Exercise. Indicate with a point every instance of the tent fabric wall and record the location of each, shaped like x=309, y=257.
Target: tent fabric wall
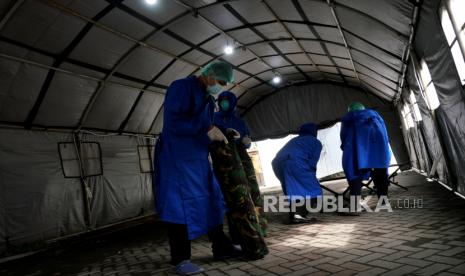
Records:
x=416, y=132
x=427, y=127
x=424, y=163
x=39, y=203
x=409, y=143
x=287, y=109
x=430, y=44
x=122, y=191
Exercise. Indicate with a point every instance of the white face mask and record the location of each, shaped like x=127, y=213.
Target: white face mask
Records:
x=214, y=89
x=224, y=105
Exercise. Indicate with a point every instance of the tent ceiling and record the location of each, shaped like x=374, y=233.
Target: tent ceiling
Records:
x=106, y=64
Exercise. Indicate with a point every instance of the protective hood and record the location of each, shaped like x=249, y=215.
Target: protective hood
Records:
x=232, y=102
x=308, y=129
x=363, y=115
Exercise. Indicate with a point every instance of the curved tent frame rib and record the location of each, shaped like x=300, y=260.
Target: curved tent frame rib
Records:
x=213, y=25
x=158, y=28
x=312, y=62
x=303, y=16
x=58, y=61
x=368, y=77
x=261, y=35
x=325, y=65
x=78, y=75
x=10, y=13
x=77, y=63
x=329, y=42
x=336, y=19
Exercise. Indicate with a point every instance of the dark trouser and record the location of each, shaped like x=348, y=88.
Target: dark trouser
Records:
x=180, y=245
x=233, y=232
x=302, y=210
x=380, y=179
x=355, y=187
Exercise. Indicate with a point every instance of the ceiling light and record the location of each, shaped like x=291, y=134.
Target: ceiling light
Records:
x=151, y=2
x=276, y=79
x=228, y=49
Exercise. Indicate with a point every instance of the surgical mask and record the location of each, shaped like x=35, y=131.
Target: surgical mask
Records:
x=214, y=89
x=224, y=105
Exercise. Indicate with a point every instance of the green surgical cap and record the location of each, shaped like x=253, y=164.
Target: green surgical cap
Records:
x=354, y=106
x=220, y=71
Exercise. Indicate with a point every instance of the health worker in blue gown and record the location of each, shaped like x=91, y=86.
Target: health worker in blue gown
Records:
x=295, y=167
x=365, y=146
x=188, y=197
x=226, y=118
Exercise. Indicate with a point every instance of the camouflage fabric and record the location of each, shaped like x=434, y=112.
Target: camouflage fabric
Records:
x=253, y=186
x=234, y=185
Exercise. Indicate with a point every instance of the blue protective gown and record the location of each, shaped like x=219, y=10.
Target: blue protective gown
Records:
x=364, y=142
x=185, y=188
x=229, y=119
x=295, y=164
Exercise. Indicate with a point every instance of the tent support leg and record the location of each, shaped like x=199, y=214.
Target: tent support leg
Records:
x=86, y=193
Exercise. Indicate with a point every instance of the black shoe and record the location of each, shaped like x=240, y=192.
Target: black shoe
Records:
x=311, y=218
x=300, y=219
x=232, y=252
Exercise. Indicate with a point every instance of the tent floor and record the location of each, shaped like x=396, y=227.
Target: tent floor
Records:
x=420, y=241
